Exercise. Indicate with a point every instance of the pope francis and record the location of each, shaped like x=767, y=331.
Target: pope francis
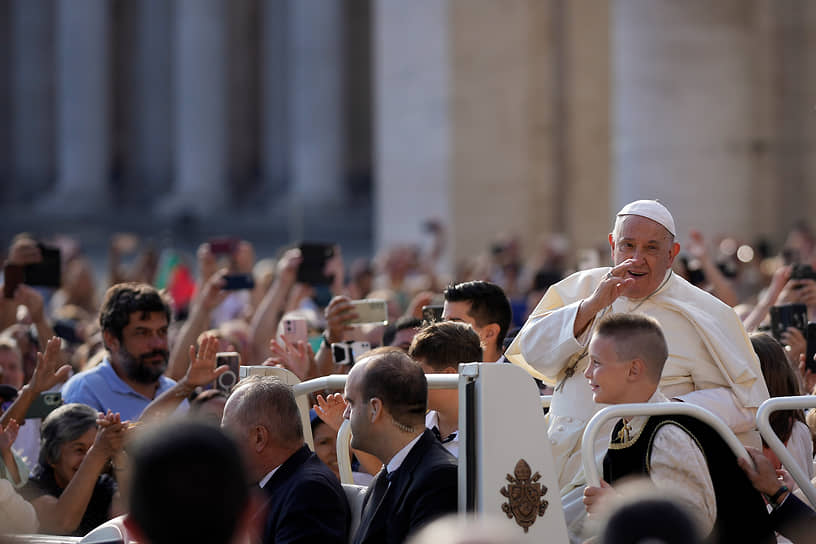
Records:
x=711, y=362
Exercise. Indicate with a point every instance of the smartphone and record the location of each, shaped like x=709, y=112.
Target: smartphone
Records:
x=370, y=310
x=13, y=275
x=788, y=315
x=226, y=381
x=47, y=272
x=223, y=245
x=296, y=329
x=313, y=264
x=238, y=282
x=811, y=346
x=803, y=272
x=432, y=313
x=346, y=353
x=44, y=404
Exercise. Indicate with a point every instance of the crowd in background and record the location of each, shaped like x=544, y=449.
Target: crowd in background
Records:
x=751, y=278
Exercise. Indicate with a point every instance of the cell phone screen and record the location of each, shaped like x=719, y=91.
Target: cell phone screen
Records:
x=47, y=272
x=13, y=275
x=237, y=282
x=811, y=347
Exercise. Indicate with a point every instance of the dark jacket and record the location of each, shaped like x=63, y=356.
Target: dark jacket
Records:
x=305, y=503
x=421, y=490
x=795, y=521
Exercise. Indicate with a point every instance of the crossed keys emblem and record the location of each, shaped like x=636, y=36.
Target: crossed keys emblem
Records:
x=525, y=496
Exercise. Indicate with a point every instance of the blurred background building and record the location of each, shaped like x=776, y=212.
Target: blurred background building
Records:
x=359, y=120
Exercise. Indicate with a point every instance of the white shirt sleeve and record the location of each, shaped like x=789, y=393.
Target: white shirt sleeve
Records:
x=547, y=342
x=679, y=467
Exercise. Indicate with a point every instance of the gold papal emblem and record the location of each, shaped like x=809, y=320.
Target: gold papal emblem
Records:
x=525, y=495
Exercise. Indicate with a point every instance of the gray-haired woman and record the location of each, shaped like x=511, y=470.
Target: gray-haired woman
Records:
x=68, y=488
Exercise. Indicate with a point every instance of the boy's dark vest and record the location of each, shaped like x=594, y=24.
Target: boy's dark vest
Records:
x=741, y=512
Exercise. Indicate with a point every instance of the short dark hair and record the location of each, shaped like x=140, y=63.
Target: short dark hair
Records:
x=404, y=322
x=446, y=344
x=488, y=304
x=637, y=336
x=270, y=402
x=123, y=299
x=394, y=378
x=184, y=469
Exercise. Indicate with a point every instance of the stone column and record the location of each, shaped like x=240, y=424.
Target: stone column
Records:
x=83, y=107
x=274, y=126
x=684, y=125
x=152, y=120
x=411, y=118
x=503, y=134
x=199, y=108
x=315, y=99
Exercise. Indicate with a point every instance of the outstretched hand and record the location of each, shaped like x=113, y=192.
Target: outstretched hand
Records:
x=297, y=357
x=8, y=435
x=330, y=409
x=202, y=369
x=48, y=371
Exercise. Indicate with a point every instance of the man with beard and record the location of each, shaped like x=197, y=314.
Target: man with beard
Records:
x=134, y=320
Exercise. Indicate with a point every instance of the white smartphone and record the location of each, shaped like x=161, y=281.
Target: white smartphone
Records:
x=370, y=310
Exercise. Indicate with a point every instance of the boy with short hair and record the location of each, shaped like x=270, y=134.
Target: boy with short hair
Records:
x=677, y=453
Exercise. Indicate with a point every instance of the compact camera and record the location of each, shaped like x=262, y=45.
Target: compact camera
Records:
x=346, y=353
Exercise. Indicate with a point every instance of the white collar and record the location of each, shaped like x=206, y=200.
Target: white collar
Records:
x=637, y=423
x=400, y=456
x=268, y=477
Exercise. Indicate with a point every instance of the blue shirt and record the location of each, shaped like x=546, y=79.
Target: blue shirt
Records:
x=102, y=389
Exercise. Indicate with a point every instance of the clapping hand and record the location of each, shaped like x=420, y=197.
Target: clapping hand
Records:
x=330, y=409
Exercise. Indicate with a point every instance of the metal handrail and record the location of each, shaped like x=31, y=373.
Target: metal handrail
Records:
x=764, y=425
x=650, y=409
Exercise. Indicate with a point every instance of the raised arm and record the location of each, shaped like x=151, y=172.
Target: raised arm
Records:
x=64, y=514
x=200, y=372
x=265, y=320
x=212, y=294
x=47, y=374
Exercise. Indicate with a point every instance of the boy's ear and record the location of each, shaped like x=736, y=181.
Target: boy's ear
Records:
x=636, y=368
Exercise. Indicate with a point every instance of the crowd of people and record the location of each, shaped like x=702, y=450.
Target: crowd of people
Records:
x=107, y=387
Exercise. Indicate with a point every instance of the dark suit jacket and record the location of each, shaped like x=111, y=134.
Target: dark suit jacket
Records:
x=795, y=521
x=422, y=489
x=305, y=503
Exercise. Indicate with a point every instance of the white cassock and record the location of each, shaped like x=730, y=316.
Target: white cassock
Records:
x=711, y=362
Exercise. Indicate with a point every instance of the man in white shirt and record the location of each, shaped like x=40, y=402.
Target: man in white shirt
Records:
x=439, y=348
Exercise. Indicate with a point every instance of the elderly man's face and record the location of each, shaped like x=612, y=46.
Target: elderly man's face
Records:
x=651, y=249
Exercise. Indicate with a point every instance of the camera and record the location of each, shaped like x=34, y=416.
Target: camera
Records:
x=346, y=353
